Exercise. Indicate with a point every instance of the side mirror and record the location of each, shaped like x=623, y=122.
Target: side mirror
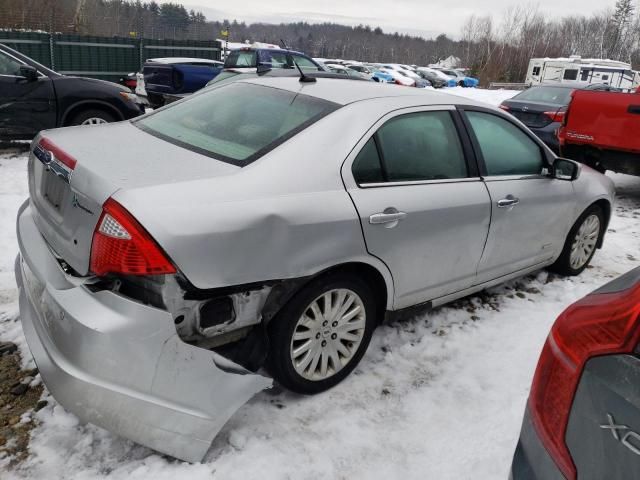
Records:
x=29, y=72
x=565, y=169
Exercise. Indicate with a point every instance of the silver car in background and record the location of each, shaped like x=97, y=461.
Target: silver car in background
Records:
x=268, y=225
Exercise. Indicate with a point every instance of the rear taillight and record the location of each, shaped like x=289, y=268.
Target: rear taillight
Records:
x=504, y=107
x=122, y=246
x=599, y=324
x=556, y=116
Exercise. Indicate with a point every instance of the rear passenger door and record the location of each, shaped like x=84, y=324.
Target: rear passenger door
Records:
x=423, y=208
x=530, y=211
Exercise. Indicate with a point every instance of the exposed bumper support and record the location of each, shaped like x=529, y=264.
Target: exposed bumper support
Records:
x=119, y=364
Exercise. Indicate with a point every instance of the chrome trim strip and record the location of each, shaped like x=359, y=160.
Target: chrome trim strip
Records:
x=419, y=182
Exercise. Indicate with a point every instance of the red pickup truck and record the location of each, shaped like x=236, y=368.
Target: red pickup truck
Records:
x=602, y=130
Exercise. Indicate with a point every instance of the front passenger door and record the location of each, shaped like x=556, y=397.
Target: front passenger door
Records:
x=26, y=107
x=530, y=211
x=423, y=209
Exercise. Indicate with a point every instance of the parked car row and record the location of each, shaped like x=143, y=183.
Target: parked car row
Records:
x=406, y=75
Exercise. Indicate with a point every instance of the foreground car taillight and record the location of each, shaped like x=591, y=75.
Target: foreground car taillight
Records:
x=599, y=324
x=121, y=245
x=504, y=107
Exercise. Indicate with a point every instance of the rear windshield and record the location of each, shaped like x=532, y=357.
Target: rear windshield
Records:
x=553, y=95
x=238, y=122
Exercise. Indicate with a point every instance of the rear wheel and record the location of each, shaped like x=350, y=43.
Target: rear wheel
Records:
x=322, y=333
x=461, y=83
x=581, y=243
x=92, y=117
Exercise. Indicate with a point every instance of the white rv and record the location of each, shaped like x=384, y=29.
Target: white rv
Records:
x=576, y=69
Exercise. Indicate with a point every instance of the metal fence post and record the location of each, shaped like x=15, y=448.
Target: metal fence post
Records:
x=51, y=52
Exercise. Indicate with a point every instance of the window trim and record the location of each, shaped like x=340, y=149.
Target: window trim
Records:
x=20, y=62
x=544, y=151
x=465, y=143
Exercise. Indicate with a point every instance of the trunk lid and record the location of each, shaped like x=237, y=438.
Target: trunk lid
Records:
x=109, y=158
x=532, y=113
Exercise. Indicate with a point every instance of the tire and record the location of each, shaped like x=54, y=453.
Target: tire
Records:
x=321, y=335
x=92, y=114
x=461, y=83
x=568, y=265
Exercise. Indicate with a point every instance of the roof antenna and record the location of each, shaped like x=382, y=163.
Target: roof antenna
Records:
x=303, y=78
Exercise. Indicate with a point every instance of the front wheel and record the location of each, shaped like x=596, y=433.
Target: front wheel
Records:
x=92, y=117
x=581, y=243
x=322, y=333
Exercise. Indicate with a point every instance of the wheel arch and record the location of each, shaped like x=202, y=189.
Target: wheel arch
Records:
x=380, y=281
x=77, y=107
x=605, y=205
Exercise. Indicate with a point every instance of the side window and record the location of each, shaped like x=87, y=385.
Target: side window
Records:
x=421, y=146
x=366, y=167
x=278, y=60
x=304, y=62
x=570, y=74
x=536, y=71
x=8, y=66
x=506, y=149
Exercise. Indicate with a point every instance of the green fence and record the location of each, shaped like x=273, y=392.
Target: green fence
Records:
x=102, y=57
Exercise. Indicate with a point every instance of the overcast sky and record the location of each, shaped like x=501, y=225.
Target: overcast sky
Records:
x=419, y=17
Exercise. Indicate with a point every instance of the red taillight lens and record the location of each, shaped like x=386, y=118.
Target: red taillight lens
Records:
x=121, y=245
x=599, y=324
x=556, y=116
x=504, y=107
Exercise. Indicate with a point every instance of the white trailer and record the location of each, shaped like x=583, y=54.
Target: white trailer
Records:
x=578, y=70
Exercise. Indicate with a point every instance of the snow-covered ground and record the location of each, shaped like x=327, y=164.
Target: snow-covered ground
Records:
x=440, y=396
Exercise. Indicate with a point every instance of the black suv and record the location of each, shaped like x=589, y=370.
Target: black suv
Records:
x=34, y=97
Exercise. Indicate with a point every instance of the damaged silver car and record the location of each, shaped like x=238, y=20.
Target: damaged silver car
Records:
x=268, y=225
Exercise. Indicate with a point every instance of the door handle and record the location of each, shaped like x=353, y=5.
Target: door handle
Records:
x=389, y=218
x=508, y=201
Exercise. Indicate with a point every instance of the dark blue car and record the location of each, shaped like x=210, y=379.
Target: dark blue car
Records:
x=174, y=76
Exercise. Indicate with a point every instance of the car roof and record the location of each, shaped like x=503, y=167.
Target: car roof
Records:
x=344, y=91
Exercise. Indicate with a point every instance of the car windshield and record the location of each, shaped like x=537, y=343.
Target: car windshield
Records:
x=238, y=122
x=553, y=95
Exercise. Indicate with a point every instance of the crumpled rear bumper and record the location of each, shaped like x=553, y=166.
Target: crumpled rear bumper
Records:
x=119, y=364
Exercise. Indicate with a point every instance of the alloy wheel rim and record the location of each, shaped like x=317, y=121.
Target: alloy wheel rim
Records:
x=328, y=334
x=94, y=121
x=584, y=243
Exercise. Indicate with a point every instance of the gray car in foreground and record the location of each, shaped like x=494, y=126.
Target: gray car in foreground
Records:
x=583, y=415
x=268, y=225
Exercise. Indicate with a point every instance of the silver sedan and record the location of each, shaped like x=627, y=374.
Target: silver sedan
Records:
x=169, y=264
